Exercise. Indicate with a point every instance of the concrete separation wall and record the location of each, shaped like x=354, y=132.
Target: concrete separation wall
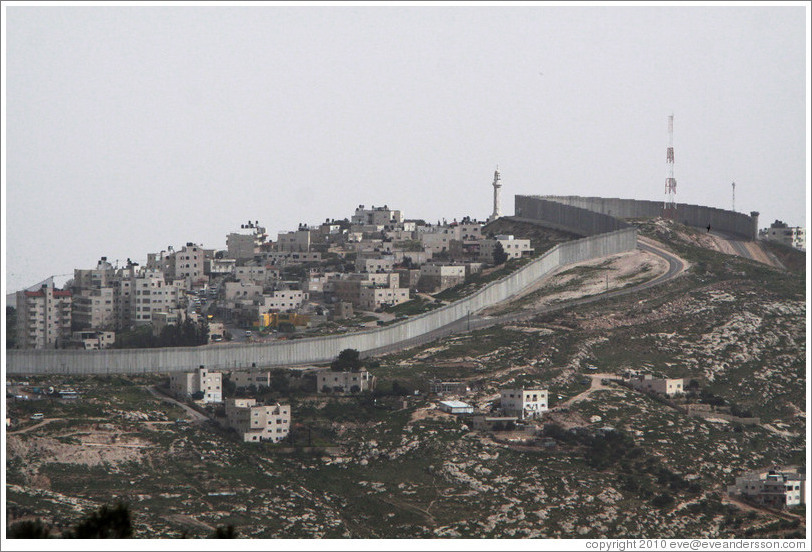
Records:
x=730, y=222
x=563, y=216
x=321, y=349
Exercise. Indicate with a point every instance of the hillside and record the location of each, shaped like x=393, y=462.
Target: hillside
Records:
x=405, y=469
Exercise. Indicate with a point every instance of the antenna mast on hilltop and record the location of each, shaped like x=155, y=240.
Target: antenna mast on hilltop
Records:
x=670, y=205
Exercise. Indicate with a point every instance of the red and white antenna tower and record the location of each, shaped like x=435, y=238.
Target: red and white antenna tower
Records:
x=670, y=205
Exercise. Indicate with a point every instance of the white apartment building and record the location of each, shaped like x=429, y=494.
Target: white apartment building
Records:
x=101, y=276
x=374, y=264
x=282, y=258
x=93, y=308
x=243, y=378
x=372, y=297
x=781, y=232
x=524, y=403
x=236, y=291
x=663, y=386
x=437, y=240
x=150, y=293
x=383, y=216
x=773, y=488
x=283, y=300
x=258, y=423
x=344, y=382
x=189, y=264
x=436, y=277
x=219, y=267
x=298, y=240
x=261, y=274
x=514, y=248
x=188, y=383
x=43, y=318
x=246, y=242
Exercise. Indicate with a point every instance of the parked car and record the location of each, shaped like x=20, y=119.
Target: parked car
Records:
x=38, y=416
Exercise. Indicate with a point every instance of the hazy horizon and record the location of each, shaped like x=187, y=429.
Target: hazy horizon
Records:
x=129, y=129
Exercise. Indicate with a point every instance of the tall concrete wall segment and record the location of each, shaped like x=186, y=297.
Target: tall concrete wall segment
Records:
x=730, y=222
x=322, y=349
x=563, y=216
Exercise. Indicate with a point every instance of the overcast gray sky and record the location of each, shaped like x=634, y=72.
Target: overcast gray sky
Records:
x=133, y=128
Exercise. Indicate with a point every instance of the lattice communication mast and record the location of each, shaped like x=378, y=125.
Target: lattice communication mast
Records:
x=670, y=204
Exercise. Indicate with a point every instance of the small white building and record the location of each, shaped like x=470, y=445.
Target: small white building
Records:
x=524, y=403
x=663, y=386
x=187, y=384
x=344, y=382
x=456, y=407
x=513, y=248
x=774, y=488
x=258, y=423
x=243, y=379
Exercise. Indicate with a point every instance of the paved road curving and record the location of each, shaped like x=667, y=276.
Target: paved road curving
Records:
x=676, y=266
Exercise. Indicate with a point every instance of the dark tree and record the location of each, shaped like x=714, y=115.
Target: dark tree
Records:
x=347, y=360
x=499, y=255
x=225, y=533
x=279, y=381
x=28, y=530
x=106, y=523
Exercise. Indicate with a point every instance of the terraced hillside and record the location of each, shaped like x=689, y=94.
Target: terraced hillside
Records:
x=616, y=463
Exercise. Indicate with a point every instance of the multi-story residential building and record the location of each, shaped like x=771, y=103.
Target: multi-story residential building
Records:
x=437, y=277
x=524, y=403
x=383, y=216
x=43, y=318
x=246, y=243
x=189, y=264
x=283, y=300
x=257, y=274
x=368, y=291
x=186, y=384
x=243, y=379
x=437, y=240
x=282, y=258
x=258, y=423
x=219, y=267
x=151, y=294
x=374, y=297
x=781, y=232
x=298, y=240
x=93, y=340
x=663, y=386
x=344, y=382
x=382, y=264
x=235, y=291
x=99, y=277
x=514, y=248
x=93, y=308
x=773, y=488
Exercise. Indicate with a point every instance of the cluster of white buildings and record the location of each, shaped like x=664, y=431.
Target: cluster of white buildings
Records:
x=516, y=404
x=302, y=272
